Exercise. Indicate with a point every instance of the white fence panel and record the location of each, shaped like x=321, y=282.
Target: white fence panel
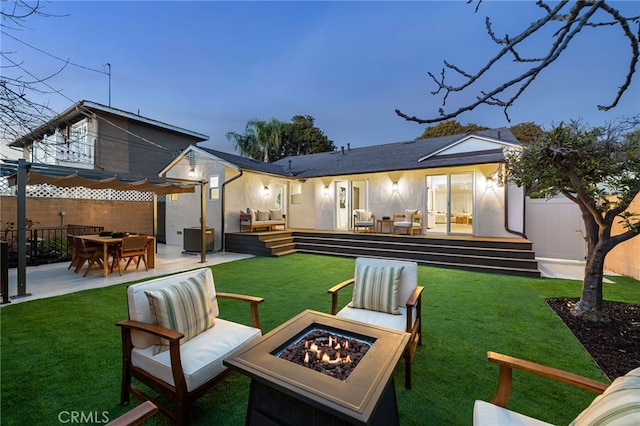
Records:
x=556, y=228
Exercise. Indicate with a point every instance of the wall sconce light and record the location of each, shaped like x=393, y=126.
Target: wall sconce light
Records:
x=490, y=183
x=266, y=191
x=394, y=186
x=325, y=190
x=192, y=173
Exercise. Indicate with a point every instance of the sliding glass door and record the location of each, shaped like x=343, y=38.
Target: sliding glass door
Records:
x=450, y=203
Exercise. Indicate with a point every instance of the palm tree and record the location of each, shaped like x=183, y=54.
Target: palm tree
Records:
x=259, y=138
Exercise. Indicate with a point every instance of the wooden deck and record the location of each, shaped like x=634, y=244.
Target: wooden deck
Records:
x=514, y=256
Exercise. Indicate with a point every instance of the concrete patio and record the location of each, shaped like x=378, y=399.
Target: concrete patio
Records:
x=55, y=279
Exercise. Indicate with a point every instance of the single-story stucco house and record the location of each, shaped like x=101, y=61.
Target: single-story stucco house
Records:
x=454, y=181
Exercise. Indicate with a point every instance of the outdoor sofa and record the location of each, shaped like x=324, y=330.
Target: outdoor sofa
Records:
x=262, y=219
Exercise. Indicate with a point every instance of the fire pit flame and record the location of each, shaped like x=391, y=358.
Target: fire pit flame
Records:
x=326, y=352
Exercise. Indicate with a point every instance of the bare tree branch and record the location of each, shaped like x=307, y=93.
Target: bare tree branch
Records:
x=19, y=113
x=579, y=15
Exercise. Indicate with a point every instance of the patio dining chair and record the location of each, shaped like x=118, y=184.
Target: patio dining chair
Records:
x=86, y=253
x=71, y=244
x=132, y=248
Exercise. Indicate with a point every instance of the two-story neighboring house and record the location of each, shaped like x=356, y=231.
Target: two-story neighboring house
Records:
x=89, y=136
x=93, y=136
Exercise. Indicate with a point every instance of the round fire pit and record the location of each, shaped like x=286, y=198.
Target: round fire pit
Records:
x=327, y=352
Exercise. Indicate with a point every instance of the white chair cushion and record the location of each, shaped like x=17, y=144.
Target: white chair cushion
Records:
x=402, y=223
x=395, y=322
x=486, y=414
x=138, y=303
x=376, y=288
x=618, y=405
x=364, y=223
x=408, y=278
x=201, y=356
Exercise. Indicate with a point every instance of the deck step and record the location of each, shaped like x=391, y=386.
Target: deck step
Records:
x=493, y=255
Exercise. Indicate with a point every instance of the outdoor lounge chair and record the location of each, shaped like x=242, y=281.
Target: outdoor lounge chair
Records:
x=619, y=403
x=404, y=312
x=410, y=221
x=180, y=365
x=363, y=219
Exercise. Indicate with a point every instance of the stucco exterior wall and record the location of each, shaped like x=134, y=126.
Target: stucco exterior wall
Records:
x=184, y=211
x=624, y=259
x=248, y=191
x=318, y=209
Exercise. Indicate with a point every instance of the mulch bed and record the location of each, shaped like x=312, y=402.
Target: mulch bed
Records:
x=614, y=346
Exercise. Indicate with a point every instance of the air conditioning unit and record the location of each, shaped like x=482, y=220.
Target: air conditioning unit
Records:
x=192, y=239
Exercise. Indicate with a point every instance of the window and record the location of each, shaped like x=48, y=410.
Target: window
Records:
x=296, y=193
x=214, y=187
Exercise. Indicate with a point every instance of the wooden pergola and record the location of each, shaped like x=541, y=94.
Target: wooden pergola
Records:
x=20, y=173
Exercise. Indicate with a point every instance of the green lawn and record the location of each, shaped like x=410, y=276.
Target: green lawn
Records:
x=62, y=355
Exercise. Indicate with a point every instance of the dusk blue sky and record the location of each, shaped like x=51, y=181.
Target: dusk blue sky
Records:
x=211, y=66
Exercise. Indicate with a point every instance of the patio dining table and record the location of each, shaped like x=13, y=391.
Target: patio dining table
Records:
x=109, y=240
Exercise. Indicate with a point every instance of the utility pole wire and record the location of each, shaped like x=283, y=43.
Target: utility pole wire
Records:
x=66, y=61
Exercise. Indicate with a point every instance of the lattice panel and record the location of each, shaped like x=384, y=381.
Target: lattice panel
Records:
x=4, y=186
x=79, y=192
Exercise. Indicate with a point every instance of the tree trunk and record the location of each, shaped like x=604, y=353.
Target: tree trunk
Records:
x=589, y=306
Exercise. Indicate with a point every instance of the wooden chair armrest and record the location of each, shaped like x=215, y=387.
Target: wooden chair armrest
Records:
x=136, y=416
x=398, y=216
x=244, y=216
x=174, y=346
x=334, y=294
x=154, y=329
x=508, y=363
x=414, y=297
x=254, y=301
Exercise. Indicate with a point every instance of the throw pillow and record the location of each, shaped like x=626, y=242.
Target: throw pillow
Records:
x=252, y=212
x=262, y=215
x=619, y=404
x=184, y=307
x=376, y=288
x=276, y=214
x=364, y=216
x=408, y=213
